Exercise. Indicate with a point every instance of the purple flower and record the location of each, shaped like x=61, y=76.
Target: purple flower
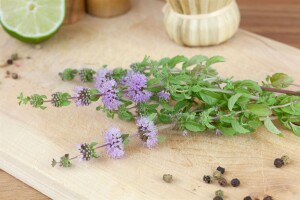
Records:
x=126, y=79
x=109, y=94
x=82, y=96
x=164, y=95
x=185, y=133
x=85, y=152
x=137, y=83
x=218, y=132
x=114, y=141
x=103, y=75
x=147, y=131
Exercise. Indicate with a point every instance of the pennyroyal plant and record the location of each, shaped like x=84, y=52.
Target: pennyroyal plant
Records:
x=181, y=93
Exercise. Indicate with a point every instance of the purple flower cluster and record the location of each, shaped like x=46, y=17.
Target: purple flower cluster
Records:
x=82, y=96
x=147, y=131
x=108, y=89
x=136, y=91
x=114, y=141
x=164, y=95
x=85, y=152
x=109, y=94
x=103, y=75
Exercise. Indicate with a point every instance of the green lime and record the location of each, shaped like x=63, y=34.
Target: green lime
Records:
x=32, y=20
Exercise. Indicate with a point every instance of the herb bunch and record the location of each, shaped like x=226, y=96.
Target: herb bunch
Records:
x=178, y=93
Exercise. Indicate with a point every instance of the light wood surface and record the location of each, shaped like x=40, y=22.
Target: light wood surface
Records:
x=30, y=138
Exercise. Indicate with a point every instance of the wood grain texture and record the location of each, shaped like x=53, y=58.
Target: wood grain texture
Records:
x=276, y=19
x=262, y=177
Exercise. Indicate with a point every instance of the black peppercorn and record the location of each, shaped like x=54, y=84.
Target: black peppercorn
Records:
x=218, y=198
x=286, y=160
x=235, y=182
x=10, y=62
x=223, y=182
x=268, y=198
x=247, y=198
x=278, y=162
x=14, y=76
x=207, y=179
x=219, y=193
x=15, y=56
x=217, y=174
x=168, y=178
x=221, y=169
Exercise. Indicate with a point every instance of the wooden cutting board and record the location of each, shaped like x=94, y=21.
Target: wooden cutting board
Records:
x=30, y=138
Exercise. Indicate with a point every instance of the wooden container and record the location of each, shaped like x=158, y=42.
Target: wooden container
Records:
x=203, y=29
x=197, y=6
x=107, y=8
x=75, y=10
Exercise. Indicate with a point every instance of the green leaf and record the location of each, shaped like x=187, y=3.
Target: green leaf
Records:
x=281, y=80
x=271, y=127
x=193, y=126
x=238, y=127
x=164, y=61
x=125, y=115
x=164, y=118
x=227, y=131
x=125, y=138
x=94, y=94
x=211, y=98
x=233, y=99
x=296, y=129
x=175, y=60
x=166, y=106
x=152, y=116
x=98, y=108
x=214, y=59
x=248, y=85
x=261, y=110
x=196, y=88
x=180, y=105
x=199, y=59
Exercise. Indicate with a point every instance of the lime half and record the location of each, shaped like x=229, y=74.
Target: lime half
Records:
x=32, y=20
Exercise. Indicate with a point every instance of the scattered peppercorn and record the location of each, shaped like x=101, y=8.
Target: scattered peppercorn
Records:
x=28, y=57
x=168, y=178
x=221, y=169
x=10, y=62
x=219, y=193
x=223, y=182
x=14, y=75
x=14, y=56
x=235, y=182
x=286, y=160
x=217, y=174
x=7, y=72
x=218, y=198
x=247, y=198
x=278, y=162
x=207, y=179
x=268, y=198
